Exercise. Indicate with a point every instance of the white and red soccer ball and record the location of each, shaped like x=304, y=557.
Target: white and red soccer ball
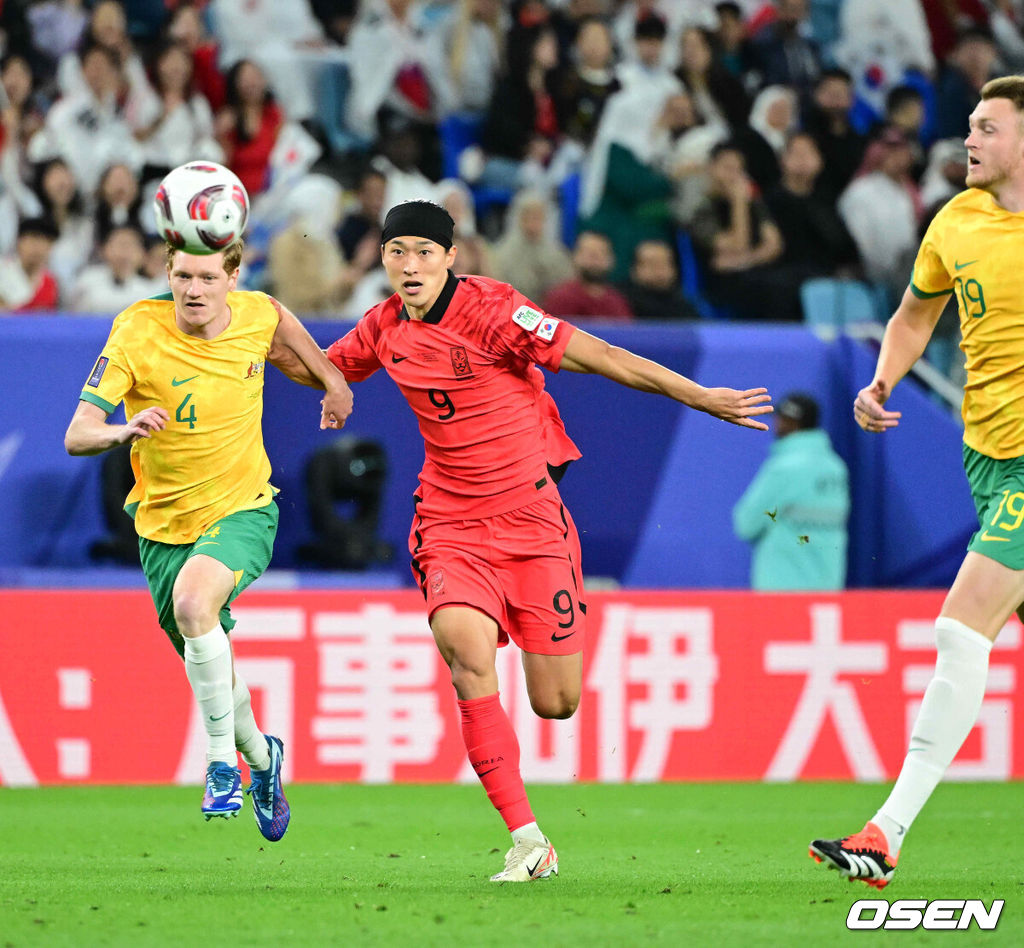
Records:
x=201, y=207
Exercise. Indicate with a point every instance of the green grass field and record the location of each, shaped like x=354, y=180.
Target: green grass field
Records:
x=722, y=864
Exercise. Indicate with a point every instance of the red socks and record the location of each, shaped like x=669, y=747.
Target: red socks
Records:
x=494, y=753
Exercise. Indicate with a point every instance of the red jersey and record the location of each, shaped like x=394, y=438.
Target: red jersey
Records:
x=469, y=371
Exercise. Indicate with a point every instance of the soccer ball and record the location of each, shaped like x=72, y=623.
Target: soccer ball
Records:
x=201, y=207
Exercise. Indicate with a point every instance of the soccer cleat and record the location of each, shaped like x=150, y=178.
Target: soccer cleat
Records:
x=223, y=795
x=528, y=861
x=268, y=800
x=864, y=856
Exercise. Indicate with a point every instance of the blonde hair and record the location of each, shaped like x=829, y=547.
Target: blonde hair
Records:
x=1005, y=87
x=232, y=256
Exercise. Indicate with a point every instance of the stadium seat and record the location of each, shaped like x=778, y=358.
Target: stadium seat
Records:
x=457, y=133
x=831, y=305
x=569, y=193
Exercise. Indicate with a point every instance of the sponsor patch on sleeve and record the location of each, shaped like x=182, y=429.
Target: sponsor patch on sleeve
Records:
x=546, y=330
x=527, y=318
x=97, y=371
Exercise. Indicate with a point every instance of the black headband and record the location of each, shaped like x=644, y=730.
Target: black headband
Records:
x=419, y=219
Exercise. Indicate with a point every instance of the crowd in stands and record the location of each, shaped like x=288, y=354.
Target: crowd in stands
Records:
x=628, y=159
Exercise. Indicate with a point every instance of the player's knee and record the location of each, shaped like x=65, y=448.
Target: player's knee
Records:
x=192, y=613
x=558, y=705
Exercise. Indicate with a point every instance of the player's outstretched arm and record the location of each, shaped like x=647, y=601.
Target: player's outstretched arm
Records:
x=587, y=353
x=904, y=342
x=89, y=432
x=295, y=353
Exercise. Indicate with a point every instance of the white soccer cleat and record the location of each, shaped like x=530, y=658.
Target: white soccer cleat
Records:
x=528, y=861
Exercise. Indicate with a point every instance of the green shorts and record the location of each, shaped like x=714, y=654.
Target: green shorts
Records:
x=998, y=491
x=243, y=542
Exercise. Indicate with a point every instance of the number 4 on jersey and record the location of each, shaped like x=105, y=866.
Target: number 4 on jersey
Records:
x=191, y=416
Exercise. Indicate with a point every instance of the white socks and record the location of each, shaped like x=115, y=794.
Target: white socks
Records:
x=208, y=667
x=249, y=738
x=949, y=709
x=529, y=831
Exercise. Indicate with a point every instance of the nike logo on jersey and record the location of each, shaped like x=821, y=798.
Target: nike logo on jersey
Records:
x=559, y=638
x=959, y=266
x=176, y=382
x=398, y=358
x=985, y=536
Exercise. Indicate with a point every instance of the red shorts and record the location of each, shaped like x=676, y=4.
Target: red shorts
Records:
x=521, y=568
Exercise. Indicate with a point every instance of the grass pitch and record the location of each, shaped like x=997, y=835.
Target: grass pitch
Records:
x=667, y=864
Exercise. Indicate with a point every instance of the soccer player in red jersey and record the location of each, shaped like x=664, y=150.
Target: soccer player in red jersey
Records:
x=494, y=550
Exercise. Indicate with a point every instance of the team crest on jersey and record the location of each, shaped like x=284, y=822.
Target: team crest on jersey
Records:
x=460, y=362
x=546, y=330
x=255, y=368
x=97, y=371
x=527, y=317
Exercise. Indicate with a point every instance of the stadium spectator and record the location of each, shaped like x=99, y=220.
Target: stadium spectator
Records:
x=828, y=120
x=717, y=94
x=488, y=559
x=968, y=67
x=26, y=283
x=400, y=159
x=86, y=128
x=364, y=220
x=397, y=67
x=589, y=292
x=626, y=192
x=108, y=27
x=186, y=27
x=119, y=203
x=529, y=255
x=647, y=68
x=737, y=242
x=881, y=41
x=735, y=49
x=285, y=40
x=60, y=201
x=795, y=511
x=521, y=133
x=585, y=84
x=56, y=28
x=815, y=240
x=948, y=19
x=248, y=126
x=205, y=474
x=180, y=128
x=474, y=44
x=976, y=231
x=20, y=114
x=653, y=290
x=785, y=55
x=305, y=262
x=772, y=117
x=881, y=208
x=945, y=174
x=673, y=14
x=116, y=281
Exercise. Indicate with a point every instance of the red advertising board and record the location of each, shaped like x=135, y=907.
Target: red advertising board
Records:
x=678, y=685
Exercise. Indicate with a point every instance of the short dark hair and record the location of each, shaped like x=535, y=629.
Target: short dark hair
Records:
x=836, y=72
x=650, y=26
x=801, y=409
x=38, y=227
x=730, y=144
x=900, y=95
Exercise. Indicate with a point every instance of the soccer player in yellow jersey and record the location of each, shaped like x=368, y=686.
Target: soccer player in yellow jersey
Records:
x=189, y=368
x=972, y=250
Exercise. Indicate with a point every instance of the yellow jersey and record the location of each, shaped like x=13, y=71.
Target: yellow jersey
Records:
x=209, y=461
x=971, y=249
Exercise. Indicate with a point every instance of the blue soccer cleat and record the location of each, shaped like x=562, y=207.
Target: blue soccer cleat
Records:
x=223, y=795
x=268, y=800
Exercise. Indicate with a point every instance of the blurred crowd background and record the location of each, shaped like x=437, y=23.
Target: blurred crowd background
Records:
x=621, y=159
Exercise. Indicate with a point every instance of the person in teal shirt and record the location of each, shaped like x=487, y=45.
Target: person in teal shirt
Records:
x=796, y=509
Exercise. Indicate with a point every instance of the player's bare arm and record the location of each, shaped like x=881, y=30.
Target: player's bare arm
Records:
x=587, y=353
x=905, y=339
x=295, y=353
x=89, y=432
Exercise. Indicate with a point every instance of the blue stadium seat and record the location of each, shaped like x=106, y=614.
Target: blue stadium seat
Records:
x=831, y=305
x=457, y=133
x=692, y=278
x=569, y=193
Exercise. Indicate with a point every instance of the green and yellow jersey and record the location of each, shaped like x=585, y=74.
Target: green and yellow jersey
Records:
x=209, y=461
x=971, y=249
